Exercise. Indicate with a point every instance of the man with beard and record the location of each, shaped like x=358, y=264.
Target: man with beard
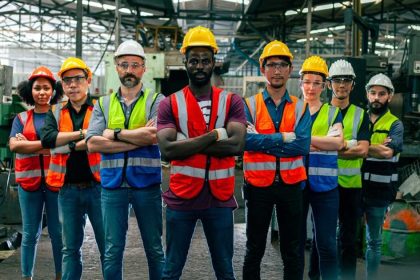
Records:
x=279, y=135
x=380, y=176
x=200, y=130
x=73, y=170
x=123, y=130
x=356, y=142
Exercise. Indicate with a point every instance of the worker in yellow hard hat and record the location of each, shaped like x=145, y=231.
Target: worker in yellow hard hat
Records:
x=74, y=170
x=321, y=190
x=201, y=129
x=278, y=137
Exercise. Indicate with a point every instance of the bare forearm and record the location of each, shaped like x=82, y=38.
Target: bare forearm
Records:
x=360, y=151
x=327, y=143
x=64, y=138
x=25, y=146
x=99, y=144
x=380, y=151
x=185, y=148
x=144, y=136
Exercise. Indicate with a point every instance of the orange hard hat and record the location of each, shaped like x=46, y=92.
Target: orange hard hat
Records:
x=43, y=72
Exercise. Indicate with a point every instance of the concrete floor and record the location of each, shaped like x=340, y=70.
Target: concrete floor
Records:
x=198, y=265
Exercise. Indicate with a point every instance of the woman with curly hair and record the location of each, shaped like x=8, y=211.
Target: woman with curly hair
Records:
x=32, y=162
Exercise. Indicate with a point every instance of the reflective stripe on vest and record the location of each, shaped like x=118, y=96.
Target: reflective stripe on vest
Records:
x=260, y=168
x=349, y=170
x=188, y=176
x=322, y=165
x=29, y=167
x=381, y=172
x=58, y=164
x=141, y=167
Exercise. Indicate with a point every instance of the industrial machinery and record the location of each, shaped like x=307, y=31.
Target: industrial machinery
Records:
x=10, y=105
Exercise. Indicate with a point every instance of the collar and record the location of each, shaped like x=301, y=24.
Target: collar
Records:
x=88, y=102
x=138, y=95
x=286, y=96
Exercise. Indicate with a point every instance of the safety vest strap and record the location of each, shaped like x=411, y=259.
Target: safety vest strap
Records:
x=221, y=173
x=24, y=156
x=349, y=171
x=259, y=166
x=140, y=161
x=384, y=179
x=290, y=165
x=188, y=171
x=322, y=171
x=28, y=174
x=392, y=159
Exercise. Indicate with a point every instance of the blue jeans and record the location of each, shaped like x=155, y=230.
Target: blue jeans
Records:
x=32, y=207
x=323, y=259
x=147, y=205
x=74, y=204
x=218, y=228
x=374, y=221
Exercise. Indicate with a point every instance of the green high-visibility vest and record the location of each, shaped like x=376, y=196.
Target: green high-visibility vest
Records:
x=349, y=173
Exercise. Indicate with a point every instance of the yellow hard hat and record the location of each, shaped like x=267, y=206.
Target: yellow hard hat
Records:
x=74, y=63
x=199, y=37
x=314, y=64
x=275, y=48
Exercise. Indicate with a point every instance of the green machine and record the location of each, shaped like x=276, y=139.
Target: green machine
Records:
x=10, y=105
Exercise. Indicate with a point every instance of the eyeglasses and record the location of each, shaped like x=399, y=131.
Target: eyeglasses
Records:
x=76, y=79
x=315, y=85
x=196, y=61
x=126, y=65
x=277, y=66
x=344, y=81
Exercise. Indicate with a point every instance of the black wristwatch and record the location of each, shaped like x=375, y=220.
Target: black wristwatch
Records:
x=72, y=146
x=116, y=132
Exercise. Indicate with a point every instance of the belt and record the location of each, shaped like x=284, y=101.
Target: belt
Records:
x=82, y=185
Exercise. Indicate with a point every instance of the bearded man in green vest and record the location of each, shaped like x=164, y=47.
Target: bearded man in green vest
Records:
x=123, y=130
x=380, y=176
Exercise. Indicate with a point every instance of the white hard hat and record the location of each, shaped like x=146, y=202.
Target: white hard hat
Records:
x=341, y=68
x=129, y=47
x=380, y=80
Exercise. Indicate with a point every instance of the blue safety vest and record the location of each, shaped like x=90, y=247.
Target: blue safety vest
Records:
x=323, y=166
x=140, y=167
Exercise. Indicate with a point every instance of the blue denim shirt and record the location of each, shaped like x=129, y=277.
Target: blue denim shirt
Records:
x=273, y=143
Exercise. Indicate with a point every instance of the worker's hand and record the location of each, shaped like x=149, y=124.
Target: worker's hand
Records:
x=20, y=137
x=250, y=128
x=288, y=137
x=84, y=131
x=351, y=143
x=180, y=136
x=108, y=134
x=151, y=123
x=387, y=141
x=314, y=149
x=333, y=132
x=221, y=134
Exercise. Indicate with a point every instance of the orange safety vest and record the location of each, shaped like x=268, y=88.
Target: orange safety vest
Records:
x=260, y=168
x=57, y=170
x=189, y=175
x=30, y=168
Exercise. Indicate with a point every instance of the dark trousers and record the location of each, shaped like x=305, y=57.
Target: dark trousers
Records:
x=350, y=214
x=260, y=203
x=323, y=259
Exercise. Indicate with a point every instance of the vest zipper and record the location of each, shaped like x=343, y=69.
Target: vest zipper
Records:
x=126, y=123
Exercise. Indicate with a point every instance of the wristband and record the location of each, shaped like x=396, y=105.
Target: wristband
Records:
x=81, y=136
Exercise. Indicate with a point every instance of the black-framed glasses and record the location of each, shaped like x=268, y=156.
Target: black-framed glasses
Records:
x=344, y=81
x=133, y=65
x=76, y=79
x=277, y=65
x=196, y=61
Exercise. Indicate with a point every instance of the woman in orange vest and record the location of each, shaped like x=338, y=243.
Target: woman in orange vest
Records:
x=31, y=166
